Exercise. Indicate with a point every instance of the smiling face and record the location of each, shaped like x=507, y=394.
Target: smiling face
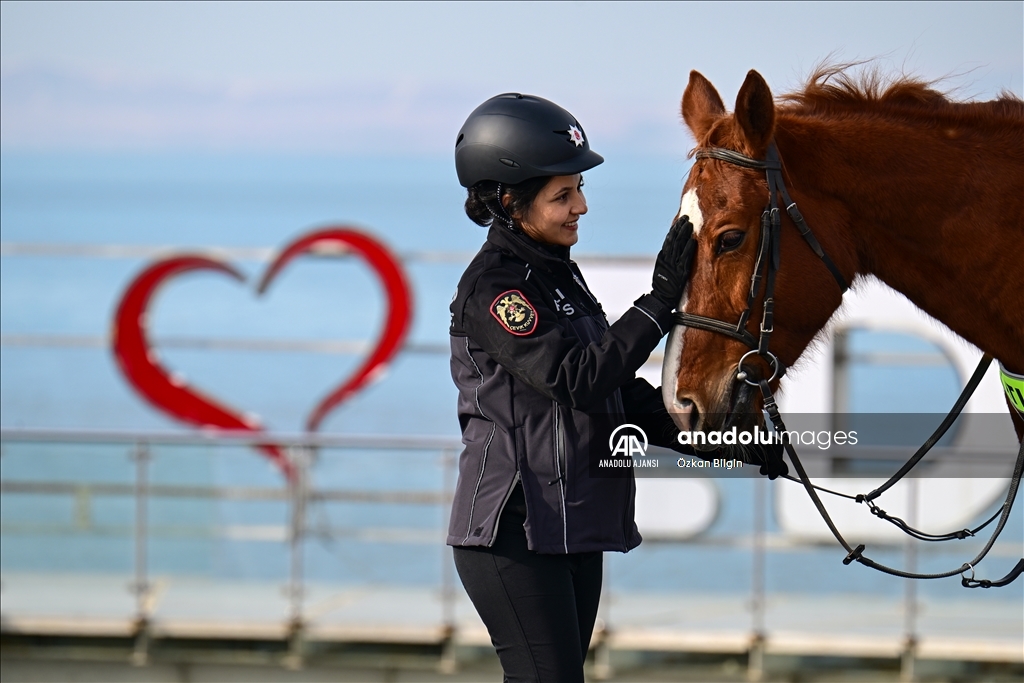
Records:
x=553, y=217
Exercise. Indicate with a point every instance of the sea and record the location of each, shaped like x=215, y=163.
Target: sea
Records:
x=77, y=228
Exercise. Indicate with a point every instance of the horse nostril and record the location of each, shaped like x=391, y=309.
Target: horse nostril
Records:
x=685, y=413
x=694, y=416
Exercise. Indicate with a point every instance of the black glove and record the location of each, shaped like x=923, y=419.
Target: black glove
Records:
x=769, y=458
x=646, y=409
x=672, y=268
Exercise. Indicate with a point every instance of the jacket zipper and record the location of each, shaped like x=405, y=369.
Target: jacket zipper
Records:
x=580, y=285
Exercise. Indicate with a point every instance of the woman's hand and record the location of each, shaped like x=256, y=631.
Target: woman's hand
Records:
x=769, y=457
x=672, y=267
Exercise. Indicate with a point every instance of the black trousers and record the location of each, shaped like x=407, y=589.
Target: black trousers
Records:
x=539, y=609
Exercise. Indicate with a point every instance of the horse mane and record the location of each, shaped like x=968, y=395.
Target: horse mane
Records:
x=833, y=89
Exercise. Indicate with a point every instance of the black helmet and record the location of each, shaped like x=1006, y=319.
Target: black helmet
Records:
x=511, y=138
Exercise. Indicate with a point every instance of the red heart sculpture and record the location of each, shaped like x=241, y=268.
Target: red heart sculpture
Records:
x=141, y=367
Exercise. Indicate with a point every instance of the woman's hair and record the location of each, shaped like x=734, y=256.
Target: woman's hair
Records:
x=483, y=204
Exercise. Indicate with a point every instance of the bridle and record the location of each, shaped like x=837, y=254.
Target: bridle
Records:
x=766, y=267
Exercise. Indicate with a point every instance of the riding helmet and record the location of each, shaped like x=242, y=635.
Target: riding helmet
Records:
x=512, y=137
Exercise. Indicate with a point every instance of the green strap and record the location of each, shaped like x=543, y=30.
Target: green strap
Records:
x=1013, y=385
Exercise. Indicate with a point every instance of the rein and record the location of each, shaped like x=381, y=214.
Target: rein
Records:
x=765, y=269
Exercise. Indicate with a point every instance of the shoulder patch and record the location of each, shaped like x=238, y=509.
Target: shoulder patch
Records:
x=515, y=313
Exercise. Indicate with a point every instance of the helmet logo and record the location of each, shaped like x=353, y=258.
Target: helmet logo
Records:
x=576, y=136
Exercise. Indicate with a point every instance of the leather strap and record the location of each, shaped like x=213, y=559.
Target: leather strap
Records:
x=950, y=418
x=772, y=165
x=857, y=554
x=737, y=159
x=701, y=322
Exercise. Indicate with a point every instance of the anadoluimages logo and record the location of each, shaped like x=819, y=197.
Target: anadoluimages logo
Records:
x=628, y=441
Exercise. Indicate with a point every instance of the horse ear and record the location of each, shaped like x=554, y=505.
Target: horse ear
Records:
x=702, y=105
x=755, y=113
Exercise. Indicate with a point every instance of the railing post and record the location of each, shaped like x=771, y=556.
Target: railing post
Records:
x=755, y=662
x=449, y=661
x=600, y=639
x=140, y=585
x=302, y=458
x=909, y=655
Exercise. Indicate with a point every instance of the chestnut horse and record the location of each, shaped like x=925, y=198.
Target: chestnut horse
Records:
x=896, y=182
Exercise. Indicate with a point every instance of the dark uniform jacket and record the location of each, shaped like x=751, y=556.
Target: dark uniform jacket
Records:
x=537, y=364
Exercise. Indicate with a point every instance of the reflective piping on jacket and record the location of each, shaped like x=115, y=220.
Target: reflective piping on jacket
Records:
x=559, y=455
x=483, y=460
x=652, y=319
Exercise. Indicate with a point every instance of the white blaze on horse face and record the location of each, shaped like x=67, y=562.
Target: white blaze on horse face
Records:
x=689, y=206
x=670, y=372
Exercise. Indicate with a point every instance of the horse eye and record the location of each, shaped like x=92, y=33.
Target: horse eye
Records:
x=729, y=241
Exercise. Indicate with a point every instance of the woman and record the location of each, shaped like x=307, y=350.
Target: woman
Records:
x=539, y=372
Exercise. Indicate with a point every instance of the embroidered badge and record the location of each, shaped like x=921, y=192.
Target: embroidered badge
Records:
x=515, y=313
x=576, y=136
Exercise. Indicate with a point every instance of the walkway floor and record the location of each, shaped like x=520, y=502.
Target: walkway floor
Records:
x=803, y=625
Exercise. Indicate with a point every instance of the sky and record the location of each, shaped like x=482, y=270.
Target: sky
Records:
x=399, y=78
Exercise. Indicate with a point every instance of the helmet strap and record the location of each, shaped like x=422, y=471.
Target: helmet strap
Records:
x=504, y=218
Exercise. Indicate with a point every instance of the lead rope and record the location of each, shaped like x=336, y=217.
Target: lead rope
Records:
x=857, y=554
x=954, y=413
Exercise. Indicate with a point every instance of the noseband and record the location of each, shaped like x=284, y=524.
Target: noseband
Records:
x=767, y=264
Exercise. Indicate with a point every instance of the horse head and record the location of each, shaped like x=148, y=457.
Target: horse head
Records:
x=703, y=381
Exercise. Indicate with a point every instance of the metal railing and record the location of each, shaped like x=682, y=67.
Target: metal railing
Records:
x=302, y=492
x=299, y=493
